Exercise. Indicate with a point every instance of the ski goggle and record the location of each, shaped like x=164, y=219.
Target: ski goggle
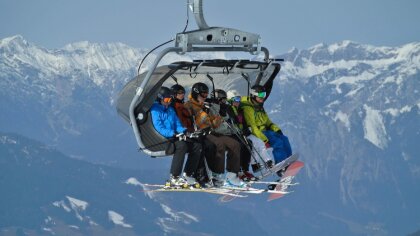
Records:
x=180, y=92
x=167, y=100
x=261, y=94
x=236, y=99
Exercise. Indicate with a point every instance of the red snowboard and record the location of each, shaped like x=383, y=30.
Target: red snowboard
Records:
x=287, y=178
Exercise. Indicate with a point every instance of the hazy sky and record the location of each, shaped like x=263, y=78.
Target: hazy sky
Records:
x=146, y=23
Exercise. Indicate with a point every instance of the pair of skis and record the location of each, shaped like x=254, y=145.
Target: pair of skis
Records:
x=276, y=189
x=226, y=191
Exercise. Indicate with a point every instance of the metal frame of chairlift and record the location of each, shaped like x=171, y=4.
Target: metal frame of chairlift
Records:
x=205, y=39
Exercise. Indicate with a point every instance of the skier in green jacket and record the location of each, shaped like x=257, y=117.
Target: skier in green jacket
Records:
x=266, y=133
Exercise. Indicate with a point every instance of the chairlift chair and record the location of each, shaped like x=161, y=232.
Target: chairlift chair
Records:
x=138, y=95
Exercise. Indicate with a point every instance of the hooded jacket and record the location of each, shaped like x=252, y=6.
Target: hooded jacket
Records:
x=202, y=118
x=165, y=120
x=183, y=114
x=256, y=118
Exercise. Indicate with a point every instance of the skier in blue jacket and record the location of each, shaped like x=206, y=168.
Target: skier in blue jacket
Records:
x=167, y=123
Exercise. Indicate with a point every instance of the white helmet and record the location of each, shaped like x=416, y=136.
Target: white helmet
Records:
x=232, y=94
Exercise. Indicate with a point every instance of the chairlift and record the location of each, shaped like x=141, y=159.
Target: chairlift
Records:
x=138, y=95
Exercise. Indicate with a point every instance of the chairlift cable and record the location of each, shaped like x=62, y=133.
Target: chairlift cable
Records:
x=185, y=28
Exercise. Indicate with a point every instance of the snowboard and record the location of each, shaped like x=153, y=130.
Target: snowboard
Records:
x=273, y=170
x=286, y=180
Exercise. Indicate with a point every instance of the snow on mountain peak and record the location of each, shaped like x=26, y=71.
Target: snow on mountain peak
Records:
x=16, y=40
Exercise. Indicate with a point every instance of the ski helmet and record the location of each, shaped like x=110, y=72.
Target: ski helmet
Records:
x=176, y=88
x=258, y=91
x=164, y=92
x=199, y=88
x=219, y=94
x=233, y=96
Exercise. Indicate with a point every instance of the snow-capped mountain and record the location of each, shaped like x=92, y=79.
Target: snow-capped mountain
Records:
x=353, y=113
x=47, y=193
x=350, y=110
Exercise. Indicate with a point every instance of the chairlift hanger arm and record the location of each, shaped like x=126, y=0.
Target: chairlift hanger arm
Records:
x=214, y=36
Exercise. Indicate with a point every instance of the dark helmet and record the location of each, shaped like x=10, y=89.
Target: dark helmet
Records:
x=258, y=91
x=199, y=88
x=219, y=94
x=176, y=88
x=164, y=92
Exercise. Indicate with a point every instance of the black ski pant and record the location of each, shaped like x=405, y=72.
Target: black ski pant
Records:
x=207, y=155
x=225, y=143
x=194, y=153
x=245, y=158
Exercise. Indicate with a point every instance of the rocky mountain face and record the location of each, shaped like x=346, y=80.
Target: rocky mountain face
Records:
x=350, y=110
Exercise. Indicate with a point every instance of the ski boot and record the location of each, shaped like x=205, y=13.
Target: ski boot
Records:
x=218, y=180
x=247, y=176
x=256, y=167
x=176, y=182
x=232, y=181
x=281, y=172
x=191, y=181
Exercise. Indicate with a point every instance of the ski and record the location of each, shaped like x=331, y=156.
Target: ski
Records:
x=286, y=180
x=269, y=182
x=161, y=188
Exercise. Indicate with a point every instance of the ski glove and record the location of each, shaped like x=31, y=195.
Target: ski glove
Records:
x=267, y=145
x=194, y=135
x=206, y=107
x=181, y=137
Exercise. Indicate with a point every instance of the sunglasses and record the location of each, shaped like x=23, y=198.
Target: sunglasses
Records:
x=180, y=92
x=167, y=100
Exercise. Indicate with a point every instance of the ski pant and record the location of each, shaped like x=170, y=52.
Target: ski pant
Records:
x=245, y=154
x=194, y=154
x=280, y=144
x=225, y=143
x=208, y=154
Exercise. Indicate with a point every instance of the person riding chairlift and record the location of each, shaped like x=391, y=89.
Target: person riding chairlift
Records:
x=264, y=132
x=167, y=124
x=208, y=148
x=234, y=101
x=205, y=119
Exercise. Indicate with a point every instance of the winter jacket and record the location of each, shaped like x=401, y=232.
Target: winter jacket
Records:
x=256, y=118
x=223, y=128
x=183, y=114
x=237, y=116
x=165, y=120
x=202, y=118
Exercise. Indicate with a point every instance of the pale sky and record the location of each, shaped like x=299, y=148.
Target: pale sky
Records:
x=147, y=23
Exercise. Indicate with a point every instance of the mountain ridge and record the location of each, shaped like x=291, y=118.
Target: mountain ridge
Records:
x=350, y=110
